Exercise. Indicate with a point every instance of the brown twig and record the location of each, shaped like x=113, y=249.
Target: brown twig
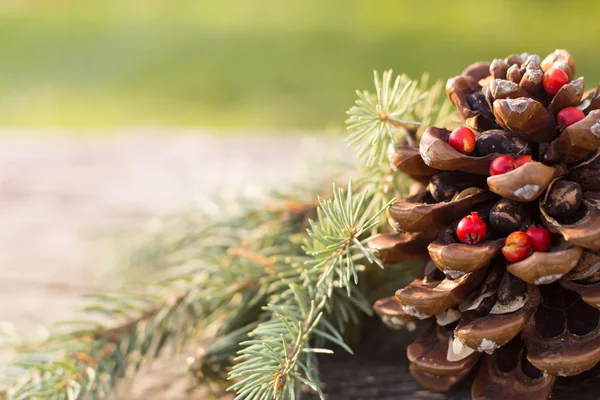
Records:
x=252, y=256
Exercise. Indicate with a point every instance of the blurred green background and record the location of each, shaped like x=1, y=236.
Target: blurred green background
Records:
x=254, y=64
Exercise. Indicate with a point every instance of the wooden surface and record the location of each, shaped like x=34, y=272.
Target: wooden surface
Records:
x=379, y=371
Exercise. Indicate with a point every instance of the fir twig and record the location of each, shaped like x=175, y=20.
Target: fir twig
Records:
x=280, y=356
x=397, y=110
x=251, y=275
x=227, y=284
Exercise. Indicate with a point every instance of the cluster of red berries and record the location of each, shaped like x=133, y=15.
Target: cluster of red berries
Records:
x=517, y=246
x=463, y=139
x=552, y=81
x=504, y=164
x=472, y=229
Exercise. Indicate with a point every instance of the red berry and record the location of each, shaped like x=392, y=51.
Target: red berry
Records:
x=502, y=165
x=471, y=229
x=554, y=79
x=517, y=246
x=462, y=139
x=523, y=160
x=540, y=237
x=568, y=116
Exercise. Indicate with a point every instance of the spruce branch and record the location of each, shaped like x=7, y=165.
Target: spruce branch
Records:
x=88, y=360
x=277, y=297
x=396, y=111
x=280, y=356
x=221, y=274
x=375, y=119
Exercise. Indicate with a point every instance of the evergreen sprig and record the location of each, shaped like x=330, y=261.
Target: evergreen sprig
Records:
x=397, y=110
x=280, y=356
x=276, y=296
x=89, y=360
x=223, y=276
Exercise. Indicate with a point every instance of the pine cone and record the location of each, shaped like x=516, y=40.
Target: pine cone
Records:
x=520, y=323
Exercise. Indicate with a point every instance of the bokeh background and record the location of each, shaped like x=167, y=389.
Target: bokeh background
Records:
x=116, y=113
x=260, y=64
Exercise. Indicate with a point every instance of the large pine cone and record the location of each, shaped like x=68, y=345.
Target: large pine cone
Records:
x=520, y=324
